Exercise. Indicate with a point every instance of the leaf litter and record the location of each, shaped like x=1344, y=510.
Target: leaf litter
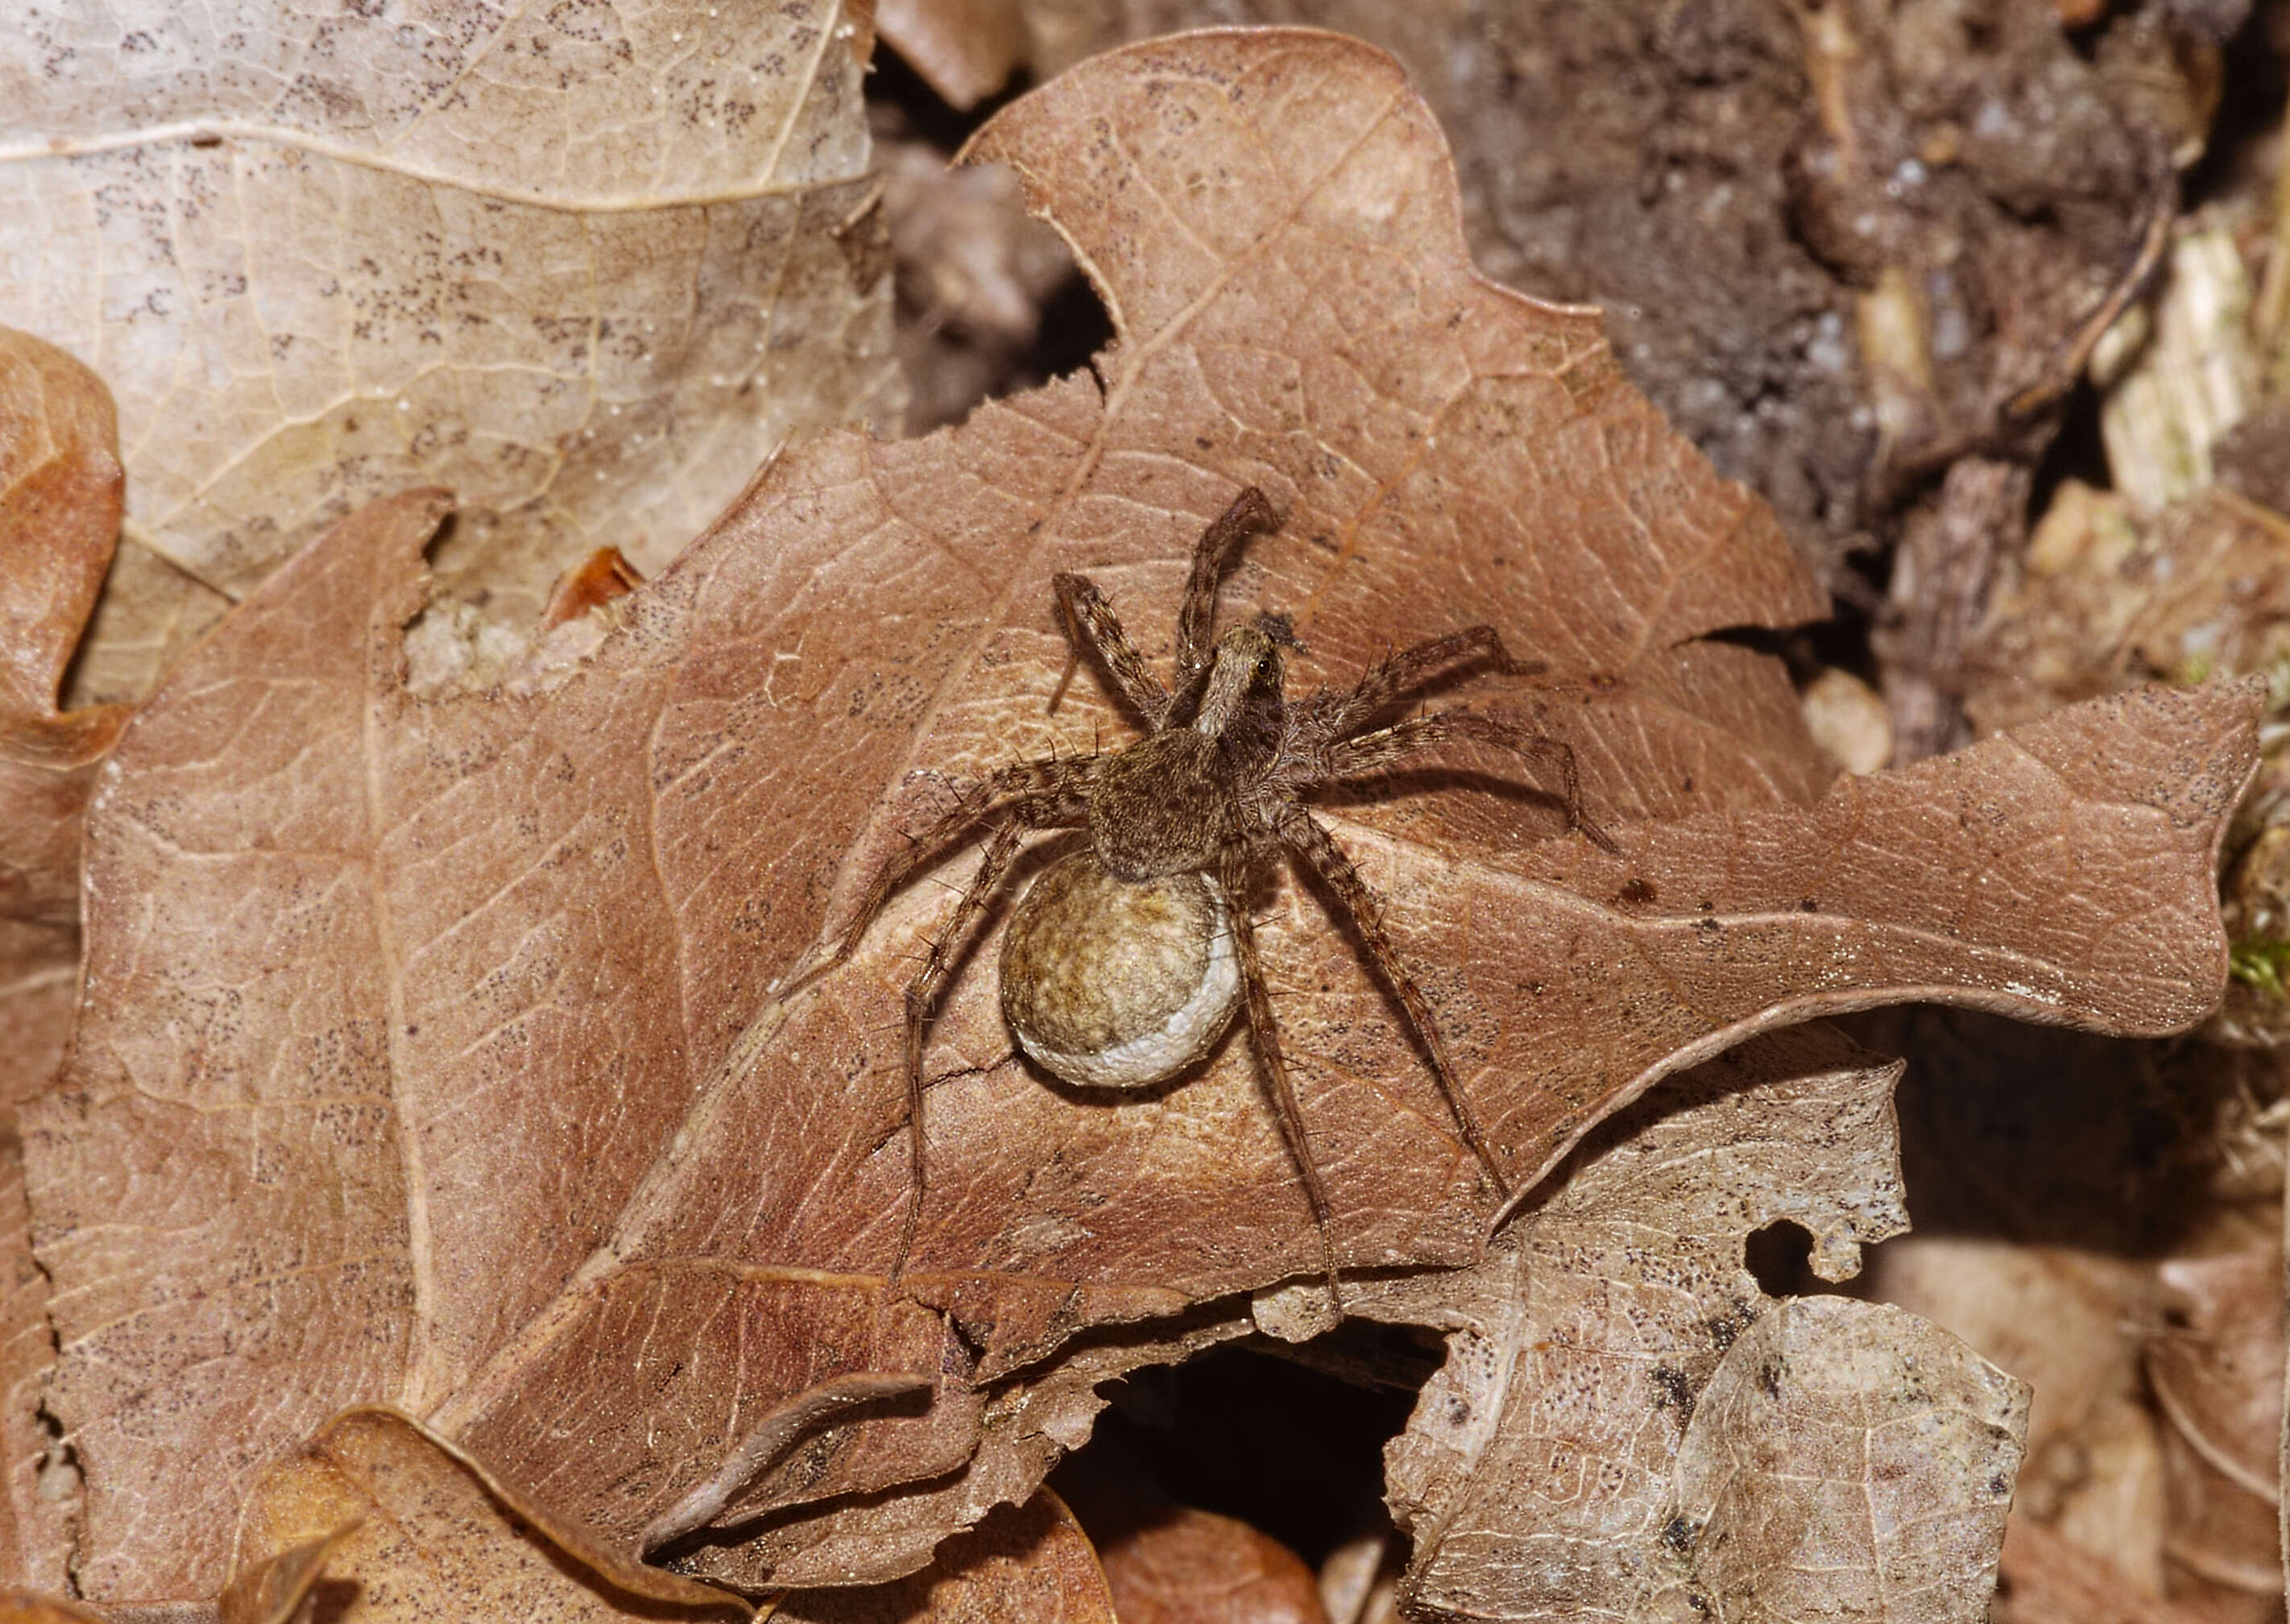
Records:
x=439, y=1063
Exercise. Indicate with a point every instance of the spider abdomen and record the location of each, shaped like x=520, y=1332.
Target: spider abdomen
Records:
x=1119, y=983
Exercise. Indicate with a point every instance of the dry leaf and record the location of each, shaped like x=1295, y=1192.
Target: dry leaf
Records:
x=2067, y=1320
x=1535, y=1475
x=2047, y=1580
x=585, y=264
x=418, y=1531
x=432, y=1053
x=60, y=483
x=1848, y=1460
x=272, y=1591
x=22, y=1607
x=1189, y=1566
x=1030, y=1563
x=2217, y=1376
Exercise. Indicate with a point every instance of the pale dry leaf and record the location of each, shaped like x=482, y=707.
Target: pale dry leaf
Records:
x=965, y=50
x=433, y=1053
x=1185, y=1565
x=2067, y=1320
x=1024, y=1562
x=586, y=263
x=60, y=494
x=415, y=1530
x=1535, y=1475
x=2045, y=1580
x=2217, y=1372
x=1848, y=1460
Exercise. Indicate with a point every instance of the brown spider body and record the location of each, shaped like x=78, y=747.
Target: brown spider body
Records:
x=1118, y=967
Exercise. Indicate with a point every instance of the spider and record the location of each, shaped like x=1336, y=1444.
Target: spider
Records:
x=1125, y=961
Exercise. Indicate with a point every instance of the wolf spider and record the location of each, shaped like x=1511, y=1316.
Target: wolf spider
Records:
x=1212, y=788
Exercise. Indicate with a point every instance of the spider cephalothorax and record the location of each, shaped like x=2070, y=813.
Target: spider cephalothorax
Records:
x=1127, y=961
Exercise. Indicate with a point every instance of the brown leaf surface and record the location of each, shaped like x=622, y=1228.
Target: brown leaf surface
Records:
x=584, y=264
x=1024, y=1562
x=22, y=1607
x=59, y=493
x=418, y=1531
x=1189, y=1566
x=434, y=1057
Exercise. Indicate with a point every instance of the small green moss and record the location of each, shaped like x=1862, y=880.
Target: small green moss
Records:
x=2257, y=961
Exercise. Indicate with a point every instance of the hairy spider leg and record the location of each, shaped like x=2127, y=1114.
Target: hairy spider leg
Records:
x=1303, y=834
x=1395, y=673
x=1250, y=514
x=922, y=998
x=1050, y=786
x=1367, y=752
x=1088, y=616
x=1264, y=1036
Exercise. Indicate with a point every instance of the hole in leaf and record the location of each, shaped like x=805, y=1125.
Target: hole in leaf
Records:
x=1781, y=1256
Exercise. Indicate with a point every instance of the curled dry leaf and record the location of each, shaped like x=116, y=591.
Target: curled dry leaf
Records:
x=584, y=263
x=1024, y=1562
x=60, y=494
x=272, y=1590
x=418, y=1531
x=519, y=1131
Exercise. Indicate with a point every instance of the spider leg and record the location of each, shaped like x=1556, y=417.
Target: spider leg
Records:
x=922, y=998
x=1380, y=749
x=1264, y=1034
x=1042, y=793
x=1395, y=673
x=1305, y=836
x=1250, y=514
x=1089, y=617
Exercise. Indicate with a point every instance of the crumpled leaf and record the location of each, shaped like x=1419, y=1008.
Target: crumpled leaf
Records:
x=1031, y=1562
x=419, y=1530
x=584, y=263
x=59, y=491
x=1535, y=1475
x=434, y=1057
